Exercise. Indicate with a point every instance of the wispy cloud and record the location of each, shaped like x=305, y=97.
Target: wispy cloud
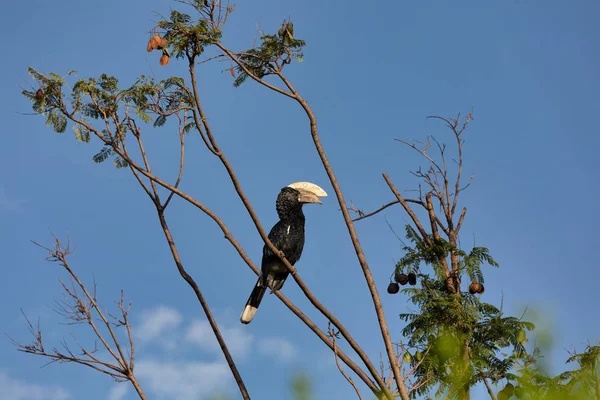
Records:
x=118, y=391
x=16, y=389
x=156, y=322
x=184, y=380
x=178, y=378
x=278, y=348
x=238, y=340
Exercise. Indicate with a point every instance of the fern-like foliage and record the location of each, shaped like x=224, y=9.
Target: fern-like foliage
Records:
x=103, y=154
x=187, y=37
x=48, y=100
x=580, y=383
x=101, y=101
x=463, y=338
x=274, y=52
x=440, y=249
x=471, y=263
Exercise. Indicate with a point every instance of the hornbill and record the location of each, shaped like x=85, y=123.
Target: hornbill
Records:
x=288, y=237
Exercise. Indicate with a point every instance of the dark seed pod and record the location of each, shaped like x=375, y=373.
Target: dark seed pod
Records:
x=39, y=94
x=401, y=278
x=412, y=278
x=393, y=288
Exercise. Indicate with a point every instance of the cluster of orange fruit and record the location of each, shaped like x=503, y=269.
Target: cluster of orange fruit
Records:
x=158, y=43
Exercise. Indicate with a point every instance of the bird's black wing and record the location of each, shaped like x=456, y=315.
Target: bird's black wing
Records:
x=288, y=237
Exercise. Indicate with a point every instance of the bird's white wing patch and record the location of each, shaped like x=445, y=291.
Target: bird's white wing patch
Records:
x=288, y=229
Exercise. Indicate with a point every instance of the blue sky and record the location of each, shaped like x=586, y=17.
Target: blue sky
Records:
x=528, y=69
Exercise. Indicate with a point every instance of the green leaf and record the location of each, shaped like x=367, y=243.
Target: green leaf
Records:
x=82, y=134
x=120, y=163
x=143, y=116
x=189, y=126
x=57, y=120
x=103, y=154
x=160, y=121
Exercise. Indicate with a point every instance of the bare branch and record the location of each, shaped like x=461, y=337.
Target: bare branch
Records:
x=423, y=153
x=78, y=306
x=460, y=220
x=333, y=336
x=432, y=217
x=213, y=324
x=408, y=210
x=362, y=215
x=181, y=159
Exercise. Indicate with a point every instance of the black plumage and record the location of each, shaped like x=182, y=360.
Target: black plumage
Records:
x=288, y=237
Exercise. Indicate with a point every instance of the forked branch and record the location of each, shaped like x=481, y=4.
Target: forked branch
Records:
x=80, y=306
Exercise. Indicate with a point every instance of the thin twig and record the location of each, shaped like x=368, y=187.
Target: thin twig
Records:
x=333, y=336
x=79, y=309
x=363, y=215
x=213, y=324
x=408, y=210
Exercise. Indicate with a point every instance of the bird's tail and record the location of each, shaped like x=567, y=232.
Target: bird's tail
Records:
x=253, y=302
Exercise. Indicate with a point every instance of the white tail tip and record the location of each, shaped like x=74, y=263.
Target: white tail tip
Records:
x=248, y=314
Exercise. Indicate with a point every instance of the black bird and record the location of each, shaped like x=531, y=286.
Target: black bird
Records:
x=288, y=237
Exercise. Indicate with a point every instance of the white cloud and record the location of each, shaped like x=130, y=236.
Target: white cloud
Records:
x=118, y=391
x=238, y=340
x=156, y=322
x=183, y=380
x=278, y=348
x=16, y=389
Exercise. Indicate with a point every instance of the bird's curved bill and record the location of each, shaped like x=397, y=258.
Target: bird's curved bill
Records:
x=308, y=197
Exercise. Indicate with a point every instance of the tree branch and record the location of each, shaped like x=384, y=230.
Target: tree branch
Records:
x=408, y=210
x=333, y=336
x=489, y=389
x=79, y=310
x=363, y=215
x=213, y=324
